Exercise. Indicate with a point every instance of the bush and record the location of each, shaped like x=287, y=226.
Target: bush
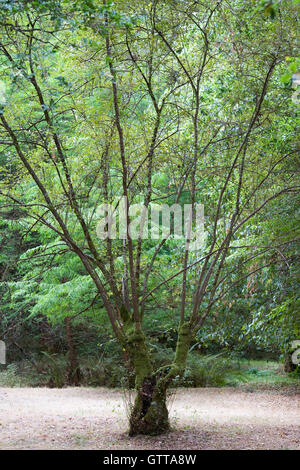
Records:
x=209, y=371
x=110, y=371
x=9, y=377
x=103, y=371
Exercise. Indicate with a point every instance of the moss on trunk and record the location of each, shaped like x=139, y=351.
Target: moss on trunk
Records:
x=150, y=414
x=183, y=345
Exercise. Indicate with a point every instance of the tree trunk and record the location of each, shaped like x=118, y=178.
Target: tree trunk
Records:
x=149, y=414
x=73, y=373
x=289, y=366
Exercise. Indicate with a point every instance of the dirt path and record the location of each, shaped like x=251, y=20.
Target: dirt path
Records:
x=86, y=418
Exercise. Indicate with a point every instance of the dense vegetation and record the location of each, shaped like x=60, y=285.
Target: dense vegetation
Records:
x=163, y=102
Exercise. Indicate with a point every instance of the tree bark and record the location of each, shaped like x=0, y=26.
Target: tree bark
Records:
x=149, y=414
x=73, y=373
x=289, y=366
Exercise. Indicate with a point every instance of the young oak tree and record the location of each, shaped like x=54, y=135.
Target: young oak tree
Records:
x=160, y=102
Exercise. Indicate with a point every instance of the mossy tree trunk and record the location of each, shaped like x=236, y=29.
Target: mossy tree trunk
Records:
x=150, y=414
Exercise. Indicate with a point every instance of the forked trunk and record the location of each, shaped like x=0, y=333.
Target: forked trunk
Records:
x=149, y=414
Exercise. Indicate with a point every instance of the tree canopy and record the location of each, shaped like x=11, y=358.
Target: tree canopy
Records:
x=168, y=103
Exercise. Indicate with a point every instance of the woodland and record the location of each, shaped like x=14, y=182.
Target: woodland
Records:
x=161, y=103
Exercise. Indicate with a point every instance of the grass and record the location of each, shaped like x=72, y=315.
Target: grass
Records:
x=261, y=373
x=10, y=377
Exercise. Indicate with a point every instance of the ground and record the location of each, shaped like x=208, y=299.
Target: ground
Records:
x=95, y=418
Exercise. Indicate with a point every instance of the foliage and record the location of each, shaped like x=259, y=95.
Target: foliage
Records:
x=160, y=103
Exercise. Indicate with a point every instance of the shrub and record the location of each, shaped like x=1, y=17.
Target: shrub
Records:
x=209, y=371
x=9, y=377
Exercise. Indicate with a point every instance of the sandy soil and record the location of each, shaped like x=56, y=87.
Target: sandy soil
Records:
x=87, y=418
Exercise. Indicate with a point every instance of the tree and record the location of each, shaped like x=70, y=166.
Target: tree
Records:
x=174, y=102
